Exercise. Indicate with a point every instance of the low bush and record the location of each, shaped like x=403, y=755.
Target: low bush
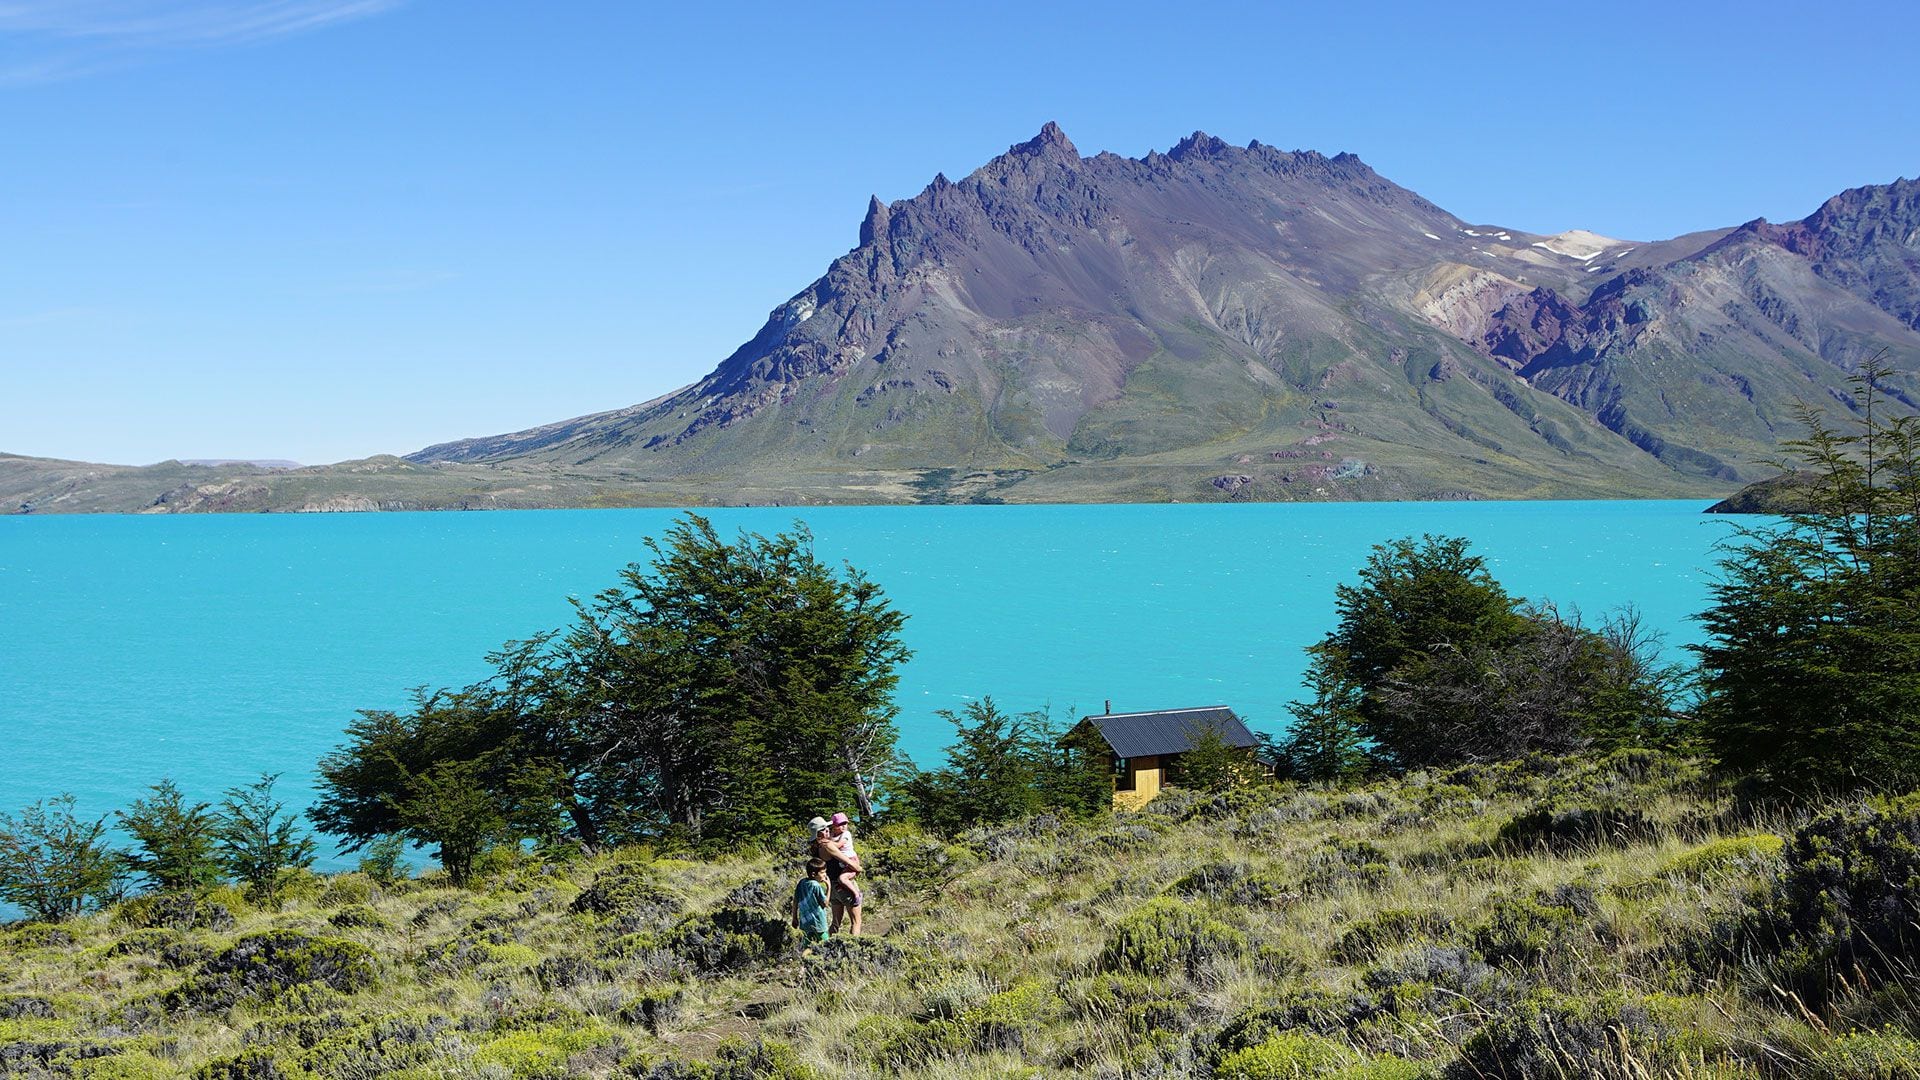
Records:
x=1366, y=938
x=543, y=1051
x=1235, y=883
x=1286, y=1056
x=1551, y=1035
x=912, y=860
x=178, y=911
x=1166, y=936
x=270, y=965
x=1875, y=1055
x=1561, y=827
x=628, y=892
x=730, y=939
x=257, y=1064
x=1728, y=855
x=359, y=917
x=1520, y=929
x=1847, y=897
x=654, y=1007
x=1342, y=862
x=385, y=1046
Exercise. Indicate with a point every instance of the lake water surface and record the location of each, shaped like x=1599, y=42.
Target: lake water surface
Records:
x=210, y=649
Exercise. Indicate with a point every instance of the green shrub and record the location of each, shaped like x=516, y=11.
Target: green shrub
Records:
x=1613, y=1035
x=126, y=1065
x=1286, y=1056
x=1135, y=1004
x=654, y=1007
x=730, y=939
x=179, y=911
x=256, y=1064
x=1364, y=940
x=1560, y=827
x=1732, y=854
x=1234, y=883
x=1521, y=929
x=912, y=860
x=345, y=889
x=1166, y=936
x=1340, y=862
x=542, y=1051
x=627, y=891
x=1006, y=1019
x=359, y=916
x=272, y=964
x=1878, y=1055
x=1848, y=896
x=757, y=1061
x=384, y=1047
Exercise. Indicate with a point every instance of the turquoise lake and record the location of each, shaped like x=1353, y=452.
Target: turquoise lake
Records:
x=211, y=649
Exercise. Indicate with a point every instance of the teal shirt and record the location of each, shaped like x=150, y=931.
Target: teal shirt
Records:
x=810, y=900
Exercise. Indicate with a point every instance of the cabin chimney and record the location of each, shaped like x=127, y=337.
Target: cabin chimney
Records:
x=1109, y=711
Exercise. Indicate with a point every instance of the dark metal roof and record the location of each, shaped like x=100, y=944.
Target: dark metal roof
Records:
x=1149, y=734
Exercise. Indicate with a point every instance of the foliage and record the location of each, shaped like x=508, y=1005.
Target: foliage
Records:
x=450, y=807
x=1210, y=764
x=720, y=694
x=258, y=841
x=1811, y=668
x=1437, y=664
x=626, y=890
x=1554, y=1035
x=1327, y=742
x=54, y=864
x=1562, y=825
x=1165, y=937
x=385, y=860
x=176, y=841
x=1730, y=854
x=1848, y=897
x=272, y=965
x=1003, y=766
x=1872, y=1055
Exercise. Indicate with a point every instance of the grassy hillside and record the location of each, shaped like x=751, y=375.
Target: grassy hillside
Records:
x=1543, y=918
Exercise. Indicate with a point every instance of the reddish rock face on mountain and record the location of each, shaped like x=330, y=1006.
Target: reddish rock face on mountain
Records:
x=1059, y=326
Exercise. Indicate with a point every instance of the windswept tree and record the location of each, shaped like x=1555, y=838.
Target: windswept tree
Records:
x=1432, y=662
x=1002, y=766
x=54, y=863
x=1810, y=673
x=174, y=840
x=259, y=841
x=720, y=692
x=1326, y=742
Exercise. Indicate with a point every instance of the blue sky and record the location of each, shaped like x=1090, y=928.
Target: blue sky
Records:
x=321, y=229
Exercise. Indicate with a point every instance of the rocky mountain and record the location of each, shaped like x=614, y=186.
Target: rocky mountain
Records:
x=1226, y=322
x=1242, y=321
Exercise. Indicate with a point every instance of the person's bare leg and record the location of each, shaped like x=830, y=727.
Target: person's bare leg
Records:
x=840, y=911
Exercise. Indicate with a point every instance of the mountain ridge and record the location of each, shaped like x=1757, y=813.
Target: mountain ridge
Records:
x=1226, y=322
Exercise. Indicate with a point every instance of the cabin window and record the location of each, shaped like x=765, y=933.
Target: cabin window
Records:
x=1122, y=774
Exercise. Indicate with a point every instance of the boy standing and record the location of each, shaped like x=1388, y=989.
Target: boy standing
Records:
x=810, y=903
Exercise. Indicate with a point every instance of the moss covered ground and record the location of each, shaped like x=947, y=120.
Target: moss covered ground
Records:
x=1547, y=918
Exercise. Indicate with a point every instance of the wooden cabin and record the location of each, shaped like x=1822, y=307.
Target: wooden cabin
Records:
x=1146, y=746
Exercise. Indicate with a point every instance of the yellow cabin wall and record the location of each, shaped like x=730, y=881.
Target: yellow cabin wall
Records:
x=1149, y=773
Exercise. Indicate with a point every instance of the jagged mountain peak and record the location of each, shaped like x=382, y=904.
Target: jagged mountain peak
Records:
x=1051, y=142
x=1250, y=318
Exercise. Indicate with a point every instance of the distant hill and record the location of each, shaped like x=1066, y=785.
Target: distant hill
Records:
x=264, y=463
x=1222, y=322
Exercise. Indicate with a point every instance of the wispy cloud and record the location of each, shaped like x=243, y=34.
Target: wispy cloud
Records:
x=45, y=40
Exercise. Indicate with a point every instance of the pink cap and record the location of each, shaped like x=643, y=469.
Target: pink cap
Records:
x=839, y=819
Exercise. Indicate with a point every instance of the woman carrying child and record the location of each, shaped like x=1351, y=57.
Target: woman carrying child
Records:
x=842, y=866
